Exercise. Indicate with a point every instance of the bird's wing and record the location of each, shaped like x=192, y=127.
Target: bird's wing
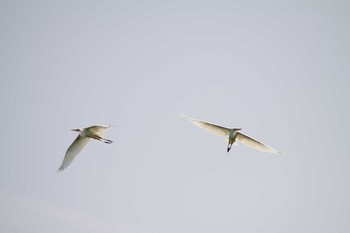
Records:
x=215, y=129
x=248, y=141
x=73, y=151
x=98, y=129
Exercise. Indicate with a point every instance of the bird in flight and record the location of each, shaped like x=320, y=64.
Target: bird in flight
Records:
x=83, y=138
x=232, y=135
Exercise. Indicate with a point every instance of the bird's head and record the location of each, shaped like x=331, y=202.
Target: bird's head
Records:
x=77, y=130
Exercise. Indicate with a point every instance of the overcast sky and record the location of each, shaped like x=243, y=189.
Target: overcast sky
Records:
x=277, y=69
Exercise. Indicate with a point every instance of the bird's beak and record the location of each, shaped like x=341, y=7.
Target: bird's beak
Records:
x=77, y=130
x=238, y=129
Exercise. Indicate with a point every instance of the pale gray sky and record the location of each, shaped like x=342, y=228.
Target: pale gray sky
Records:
x=277, y=69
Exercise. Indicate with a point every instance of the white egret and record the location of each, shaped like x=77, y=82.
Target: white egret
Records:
x=82, y=139
x=232, y=135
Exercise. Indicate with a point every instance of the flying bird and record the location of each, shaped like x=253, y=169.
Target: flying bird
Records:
x=83, y=138
x=232, y=136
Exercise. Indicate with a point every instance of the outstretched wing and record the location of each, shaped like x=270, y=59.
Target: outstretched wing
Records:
x=98, y=129
x=215, y=129
x=248, y=141
x=73, y=151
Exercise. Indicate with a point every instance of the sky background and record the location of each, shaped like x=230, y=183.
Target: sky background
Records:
x=277, y=69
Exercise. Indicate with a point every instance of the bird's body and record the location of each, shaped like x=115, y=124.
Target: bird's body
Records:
x=83, y=138
x=232, y=136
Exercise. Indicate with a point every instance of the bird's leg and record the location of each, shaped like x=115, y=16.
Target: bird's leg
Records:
x=107, y=141
x=103, y=139
x=229, y=145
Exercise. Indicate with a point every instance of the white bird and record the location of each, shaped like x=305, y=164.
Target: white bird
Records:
x=232, y=135
x=83, y=138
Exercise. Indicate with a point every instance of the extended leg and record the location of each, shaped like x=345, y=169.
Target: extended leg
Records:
x=103, y=139
x=108, y=141
x=229, y=145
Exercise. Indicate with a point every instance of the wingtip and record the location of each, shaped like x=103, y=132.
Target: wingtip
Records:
x=186, y=117
x=279, y=153
x=282, y=153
